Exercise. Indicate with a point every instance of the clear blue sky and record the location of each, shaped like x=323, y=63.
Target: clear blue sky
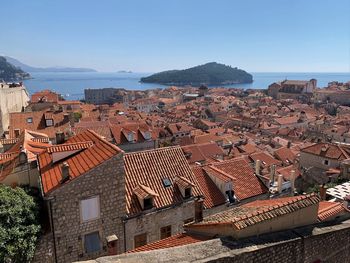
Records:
x=154, y=35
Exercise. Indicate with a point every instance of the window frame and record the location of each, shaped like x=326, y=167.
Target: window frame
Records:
x=139, y=235
x=30, y=120
x=47, y=121
x=151, y=203
x=81, y=209
x=166, y=230
x=100, y=242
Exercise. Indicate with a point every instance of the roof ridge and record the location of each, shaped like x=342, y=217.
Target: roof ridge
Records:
x=221, y=171
x=333, y=205
x=154, y=150
x=104, y=141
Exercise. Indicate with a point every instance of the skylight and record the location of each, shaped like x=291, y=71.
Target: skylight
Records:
x=166, y=182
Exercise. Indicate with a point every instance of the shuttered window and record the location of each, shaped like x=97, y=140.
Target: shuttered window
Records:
x=92, y=242
x=140, y=240
x=90, y=208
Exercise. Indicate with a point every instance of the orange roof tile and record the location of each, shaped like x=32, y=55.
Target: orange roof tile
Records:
x=212, y=195
x=258, y=211
x=328, y=210
x=245, y=183
x=327, y=150
x=79, y=163
x=173, y=241
x=149, y=168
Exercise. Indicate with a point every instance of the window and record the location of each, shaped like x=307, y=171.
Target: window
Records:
x=165, y=232
x=140, y=240
x=166, y=182
x=188, y=192
x=92, y=242
x=130, y=137
x=326, y=162
x=49, y=122
x=16, y=133
x=30, y=120
x=90, y=209
x=148, y=203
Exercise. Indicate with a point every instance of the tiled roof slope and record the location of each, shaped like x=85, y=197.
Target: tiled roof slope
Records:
x=149, y=168
x=212, y=195
x=173, y=241
x=245, y=183
x=79, y=163
x=259, y=211
x=328, y=210
x=328, y=150
x=202, y=152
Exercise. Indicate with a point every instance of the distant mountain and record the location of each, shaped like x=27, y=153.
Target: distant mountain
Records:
x=124, y=71
x=208, y=74
x=9, y=72
x=27, y=68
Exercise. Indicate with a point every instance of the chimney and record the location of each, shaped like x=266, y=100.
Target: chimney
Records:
x=279, y=183
x=289, y=144
x=292, y=181
x=323, y=191
x=65, y=172
x=257, y=167
x=60, y=137
x=272, y=173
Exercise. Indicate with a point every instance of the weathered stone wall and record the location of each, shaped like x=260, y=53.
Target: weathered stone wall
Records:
x=327, y=243
x=152, y=222
x=106, y=181
x=11, y=100
x=310, y=160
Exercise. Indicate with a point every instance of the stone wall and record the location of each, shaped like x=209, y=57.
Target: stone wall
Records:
x=311, y=160
x=106, y=181
x=151, y=223
x=314, y=243
x=11, y=100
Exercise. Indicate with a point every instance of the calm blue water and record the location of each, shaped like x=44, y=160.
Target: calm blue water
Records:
x=72, y=85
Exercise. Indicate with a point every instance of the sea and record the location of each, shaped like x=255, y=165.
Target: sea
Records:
x=72, y=84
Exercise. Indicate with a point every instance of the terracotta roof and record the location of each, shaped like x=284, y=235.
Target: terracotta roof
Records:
x=8, y=141
x=265, y=158
x=79, y=162
x=143, y=191
x=202, y=152
x=179, y=127
x=327, y=150
x=286, y=171
x=70, y=147
x=212, y=195
x=286, y=155
x=287, y=120
x=245, y=183
x=259, y=211
x=329, y=210
x=103, y=130
x=19, y=120
x=173, y=241
x=149, y=168
x=5, y=157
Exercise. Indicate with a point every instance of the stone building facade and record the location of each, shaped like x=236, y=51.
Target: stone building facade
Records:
x=310, y=244
x=106, y=182
x=12, y=99
x=152, y=222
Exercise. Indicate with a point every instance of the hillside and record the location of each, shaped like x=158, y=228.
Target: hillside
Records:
x=28, y=68
x=209, y=74
x=9, y=72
